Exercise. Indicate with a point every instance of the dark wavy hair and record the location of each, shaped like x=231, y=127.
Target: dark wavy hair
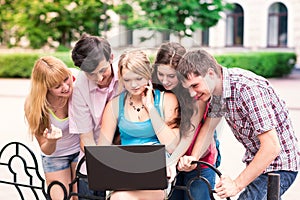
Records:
x=170, y=53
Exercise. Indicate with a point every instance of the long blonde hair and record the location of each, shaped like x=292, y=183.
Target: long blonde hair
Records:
x=47, y=72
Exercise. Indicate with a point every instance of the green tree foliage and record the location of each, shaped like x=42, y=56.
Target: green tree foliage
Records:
x=7, y=16
x=181, y=17
x=57, y=20
x=44, y=21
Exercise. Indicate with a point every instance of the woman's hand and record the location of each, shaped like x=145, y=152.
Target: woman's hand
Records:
x=53, y=134
x=171, y=172
x=185, y=163
x=147, y=98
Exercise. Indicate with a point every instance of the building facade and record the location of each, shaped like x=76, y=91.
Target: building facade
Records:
x=253, y=25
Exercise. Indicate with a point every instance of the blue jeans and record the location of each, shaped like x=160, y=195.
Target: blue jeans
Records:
x=257, y=190
x=83, y=188
x=198, y=189
x=218, y=161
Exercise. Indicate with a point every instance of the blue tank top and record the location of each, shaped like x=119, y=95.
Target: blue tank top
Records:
x=136, y=133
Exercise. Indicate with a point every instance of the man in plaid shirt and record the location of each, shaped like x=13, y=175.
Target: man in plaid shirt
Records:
x=258, y=118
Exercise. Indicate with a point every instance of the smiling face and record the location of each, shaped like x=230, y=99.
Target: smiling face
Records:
x=167, y=76
x=134, y=83
x=63, y=89
x=199, y=87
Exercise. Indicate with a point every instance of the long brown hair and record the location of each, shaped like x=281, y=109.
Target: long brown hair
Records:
x=47, y=72
x=170, y=53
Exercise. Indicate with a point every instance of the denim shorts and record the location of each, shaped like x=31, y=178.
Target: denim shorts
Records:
x=53, y=164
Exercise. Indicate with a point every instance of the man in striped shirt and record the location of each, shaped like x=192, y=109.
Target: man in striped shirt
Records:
x=258, y=118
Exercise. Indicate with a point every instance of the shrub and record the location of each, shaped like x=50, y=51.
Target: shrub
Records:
x=62, y=48
x=19, y=65
x=266, y=64
x=65, y=57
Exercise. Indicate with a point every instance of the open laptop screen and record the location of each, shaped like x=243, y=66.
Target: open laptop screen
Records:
x=134, y=167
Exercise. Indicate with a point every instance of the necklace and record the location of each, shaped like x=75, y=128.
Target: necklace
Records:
x=56, y=108
x=138, y=109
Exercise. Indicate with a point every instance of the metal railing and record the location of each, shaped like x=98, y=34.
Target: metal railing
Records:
x=18, y=152
x=187, y=187
x=36, y=183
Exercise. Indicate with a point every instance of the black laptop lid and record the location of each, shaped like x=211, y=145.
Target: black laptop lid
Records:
x=134, y=167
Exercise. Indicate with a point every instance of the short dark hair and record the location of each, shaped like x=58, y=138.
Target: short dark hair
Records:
x=198, y=62
x=89, y=51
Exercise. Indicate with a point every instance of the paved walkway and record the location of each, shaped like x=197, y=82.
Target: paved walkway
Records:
x=13, y=127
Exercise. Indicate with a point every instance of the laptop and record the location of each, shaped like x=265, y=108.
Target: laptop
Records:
x=134, y=167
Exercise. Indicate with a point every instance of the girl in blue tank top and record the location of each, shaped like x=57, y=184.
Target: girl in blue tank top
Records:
x=140, y=132
x=143, y=115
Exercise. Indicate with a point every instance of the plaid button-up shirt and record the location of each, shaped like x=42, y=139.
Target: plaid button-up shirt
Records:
x=251, y=107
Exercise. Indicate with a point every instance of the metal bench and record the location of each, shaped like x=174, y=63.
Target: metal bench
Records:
x=186, y=187
x=14, y=151
x=19, y=168
x=22, y=167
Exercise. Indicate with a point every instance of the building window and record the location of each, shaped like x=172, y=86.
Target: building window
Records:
x=277, y=25
x=205, y=37
x=129, y=37
x=235, y=27
x=165, y=36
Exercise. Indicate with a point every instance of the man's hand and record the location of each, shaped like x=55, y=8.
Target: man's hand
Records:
x=226, y=187
x=184, y=163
